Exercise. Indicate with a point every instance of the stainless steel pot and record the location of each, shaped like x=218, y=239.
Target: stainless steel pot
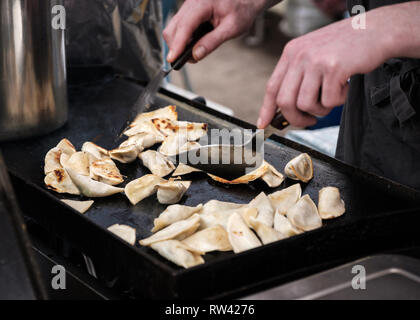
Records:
x=33, y=90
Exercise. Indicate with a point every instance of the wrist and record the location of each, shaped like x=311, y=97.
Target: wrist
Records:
x=398, y=28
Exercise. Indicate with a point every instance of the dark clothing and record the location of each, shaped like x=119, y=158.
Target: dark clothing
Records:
x=380, y=126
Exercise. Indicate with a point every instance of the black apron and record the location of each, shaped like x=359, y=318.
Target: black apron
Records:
x=380, y=126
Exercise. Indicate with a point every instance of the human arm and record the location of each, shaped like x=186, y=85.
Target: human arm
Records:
x=230, y=19
x=311, y=76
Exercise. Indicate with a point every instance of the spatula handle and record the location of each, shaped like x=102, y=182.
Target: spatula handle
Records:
x=201, y=31
x=279, y=122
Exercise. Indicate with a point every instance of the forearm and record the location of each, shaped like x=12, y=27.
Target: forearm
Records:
x=397, y=28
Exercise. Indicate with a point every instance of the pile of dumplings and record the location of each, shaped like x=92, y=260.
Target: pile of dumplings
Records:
x=183, y=234
x=93, y=173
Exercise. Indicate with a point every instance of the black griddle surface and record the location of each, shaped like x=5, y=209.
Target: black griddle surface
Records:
x=97, y=110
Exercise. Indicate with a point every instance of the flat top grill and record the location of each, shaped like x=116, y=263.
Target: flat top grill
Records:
x=376, y=208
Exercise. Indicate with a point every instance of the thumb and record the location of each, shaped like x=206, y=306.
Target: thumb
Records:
x=213, y=40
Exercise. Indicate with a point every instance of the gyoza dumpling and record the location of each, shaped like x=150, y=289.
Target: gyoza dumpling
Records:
x=284, y=226
x=208, y=240
x=211, y=218
x=178, y=253
x=193, y=131
x=78, y=162
x=98, y=152
x=183, y=170
x=272, y=177
x=106, y=171
x=284, y=199
x=266, y=233
x=66, y=147
x=265, y=209
x=142, y=141
x=157, y=163
x=330, y=204
x=53, y=157
x=179, y=230
x=52, y=160
x=300, y=168
x=127, y=154
x=81, y=206
x=171, y=192
x=91, y=188
x=217, y=213
x=252, y=176
x=126, y=233
x=142, y=188
x=145, y=127
x=304, y=214
x=177, y=144
x=240, y=236
x=59, y=181
x=168, y=112
x=266, y=172
x=174, y=214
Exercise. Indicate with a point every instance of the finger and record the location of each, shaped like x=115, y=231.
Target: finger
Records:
x=226, y=30
x=308, y=100
x=334, y=92
x=269, y=107
x=287, y=99
x=169, y=32
x=184, y=31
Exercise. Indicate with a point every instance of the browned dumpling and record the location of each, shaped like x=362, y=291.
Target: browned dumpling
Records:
x=60, y=182
x=106, y=171
x=157, y=163
x=300, y=168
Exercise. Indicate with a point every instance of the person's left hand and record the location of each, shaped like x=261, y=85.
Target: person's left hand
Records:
x=312, y=75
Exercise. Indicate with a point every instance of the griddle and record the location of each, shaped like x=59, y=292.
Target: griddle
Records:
x=381, y=215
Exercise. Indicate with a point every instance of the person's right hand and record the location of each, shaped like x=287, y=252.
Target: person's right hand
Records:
x=229, y=17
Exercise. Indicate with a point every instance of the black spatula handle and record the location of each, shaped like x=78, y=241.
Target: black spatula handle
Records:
x=279, y=121
x=201, y=31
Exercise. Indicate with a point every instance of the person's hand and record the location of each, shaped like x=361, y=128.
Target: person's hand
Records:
x=229, y=17
x=312, y=75
x=333, y=8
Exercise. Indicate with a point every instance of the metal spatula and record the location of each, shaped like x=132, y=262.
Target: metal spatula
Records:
x=215, y=156
x=146, y=99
